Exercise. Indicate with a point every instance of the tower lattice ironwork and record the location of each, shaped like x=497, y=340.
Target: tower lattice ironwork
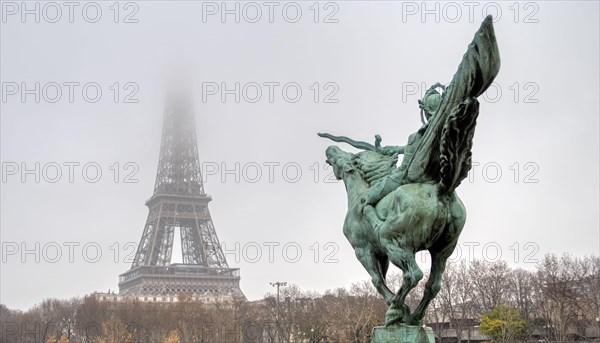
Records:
x=179, y=202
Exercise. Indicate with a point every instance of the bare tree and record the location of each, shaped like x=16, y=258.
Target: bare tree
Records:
x=590, y=297
x=559, y=286
x=456, y=297
x=522, y=283
x=490, y=284
x=355, y=312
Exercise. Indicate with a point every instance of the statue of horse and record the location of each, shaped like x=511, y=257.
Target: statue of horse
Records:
x=415, y=207
x=417, y=218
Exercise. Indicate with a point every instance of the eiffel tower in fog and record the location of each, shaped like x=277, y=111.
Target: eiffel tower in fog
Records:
x=179, y=202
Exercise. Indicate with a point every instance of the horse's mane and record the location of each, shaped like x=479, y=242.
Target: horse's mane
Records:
x=374, y=166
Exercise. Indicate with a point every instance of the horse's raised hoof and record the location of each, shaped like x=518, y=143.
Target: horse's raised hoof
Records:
x=395, y=315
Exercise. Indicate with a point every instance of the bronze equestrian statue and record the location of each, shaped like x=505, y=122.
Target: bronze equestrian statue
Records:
x=394, y=212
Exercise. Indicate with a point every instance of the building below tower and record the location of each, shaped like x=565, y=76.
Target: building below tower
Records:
x=190, y=279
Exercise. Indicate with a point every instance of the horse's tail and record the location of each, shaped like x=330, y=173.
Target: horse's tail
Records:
x=455, y=145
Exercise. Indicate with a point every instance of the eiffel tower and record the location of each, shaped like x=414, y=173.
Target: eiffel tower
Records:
x=179, y=202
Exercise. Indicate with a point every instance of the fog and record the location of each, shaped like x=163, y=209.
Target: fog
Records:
x=83, y=91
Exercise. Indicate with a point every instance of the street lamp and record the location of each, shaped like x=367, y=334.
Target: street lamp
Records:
x=278, y=284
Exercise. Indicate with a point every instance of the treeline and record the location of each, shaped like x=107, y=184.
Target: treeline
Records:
x=559, y=301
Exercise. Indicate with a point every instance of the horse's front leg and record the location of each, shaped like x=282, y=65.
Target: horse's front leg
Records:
x=376, y=269
x=411, y=275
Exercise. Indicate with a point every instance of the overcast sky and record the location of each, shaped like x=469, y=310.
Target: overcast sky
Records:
x=360, y=69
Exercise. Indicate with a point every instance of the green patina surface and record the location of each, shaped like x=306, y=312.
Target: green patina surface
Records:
x=402, y=334
x=394, y=212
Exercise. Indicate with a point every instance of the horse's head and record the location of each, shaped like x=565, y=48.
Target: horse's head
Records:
x=369, y=166
x=340, y=161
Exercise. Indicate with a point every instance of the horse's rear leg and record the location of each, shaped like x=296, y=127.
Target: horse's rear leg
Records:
x=411, y=275
x=440, y=256
x=377, y=269
x=434, y=283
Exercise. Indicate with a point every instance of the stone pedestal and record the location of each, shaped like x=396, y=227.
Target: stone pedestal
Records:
x=402, y=334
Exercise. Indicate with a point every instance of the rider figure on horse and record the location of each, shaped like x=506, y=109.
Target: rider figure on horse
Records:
x=399, y=176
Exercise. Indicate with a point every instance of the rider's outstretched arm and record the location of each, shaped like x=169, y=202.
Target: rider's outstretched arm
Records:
x=393, y=150
x=342, y=139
